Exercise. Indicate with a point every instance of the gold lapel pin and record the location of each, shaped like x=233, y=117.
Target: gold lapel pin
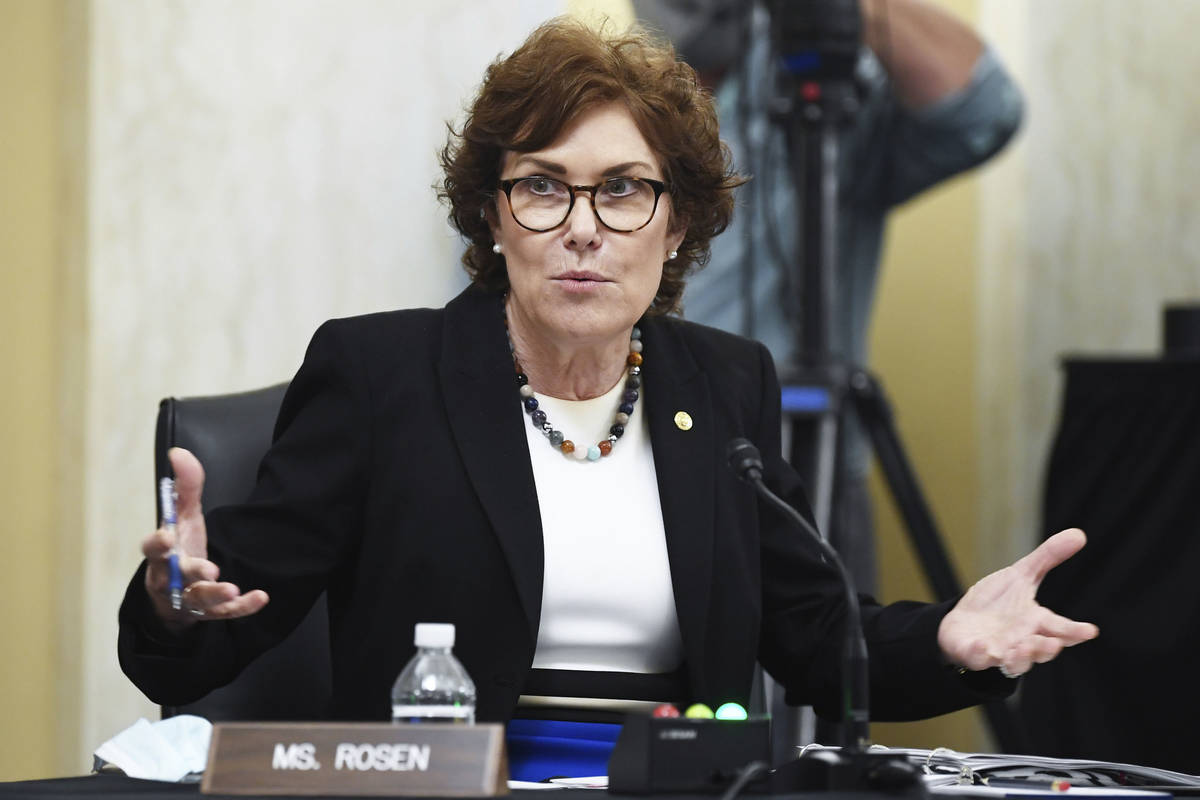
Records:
x=683, y=420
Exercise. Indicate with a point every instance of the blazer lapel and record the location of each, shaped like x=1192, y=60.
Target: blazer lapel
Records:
x=683, y=459
x=477, y=382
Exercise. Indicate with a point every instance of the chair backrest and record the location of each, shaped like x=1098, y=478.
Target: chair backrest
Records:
x=229, y=434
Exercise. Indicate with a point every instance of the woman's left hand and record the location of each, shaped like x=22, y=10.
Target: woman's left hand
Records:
x=998, y=622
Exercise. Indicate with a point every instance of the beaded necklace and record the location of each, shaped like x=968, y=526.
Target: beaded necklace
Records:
x=537, y=417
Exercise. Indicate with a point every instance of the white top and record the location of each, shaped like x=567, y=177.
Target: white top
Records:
x=607, y=599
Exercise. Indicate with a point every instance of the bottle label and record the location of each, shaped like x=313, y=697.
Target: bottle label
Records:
x=432, y=713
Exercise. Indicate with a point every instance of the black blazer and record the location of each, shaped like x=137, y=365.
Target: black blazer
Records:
x=400, y=481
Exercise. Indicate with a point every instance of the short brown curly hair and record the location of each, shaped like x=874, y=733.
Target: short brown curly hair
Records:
x=563, y=69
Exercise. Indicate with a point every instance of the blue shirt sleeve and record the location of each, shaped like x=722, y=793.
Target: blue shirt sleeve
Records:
x=913, y=150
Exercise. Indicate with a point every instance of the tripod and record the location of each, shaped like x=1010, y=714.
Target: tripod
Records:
x=819, y=389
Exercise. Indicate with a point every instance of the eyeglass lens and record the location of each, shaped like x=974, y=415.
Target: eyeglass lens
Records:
x=623, y=204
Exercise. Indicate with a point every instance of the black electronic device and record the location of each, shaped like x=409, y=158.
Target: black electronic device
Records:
x=848, y=772
x=678, y=754
x=1181, y=330
x=817, y=39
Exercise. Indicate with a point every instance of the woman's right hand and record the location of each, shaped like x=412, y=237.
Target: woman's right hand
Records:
x=204, y=597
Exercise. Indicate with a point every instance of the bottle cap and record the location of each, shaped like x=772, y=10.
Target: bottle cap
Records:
x=434, y=634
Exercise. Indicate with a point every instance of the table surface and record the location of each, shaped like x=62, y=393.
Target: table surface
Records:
x=112, y=786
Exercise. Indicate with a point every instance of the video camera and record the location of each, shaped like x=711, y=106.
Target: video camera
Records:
x=817, y=39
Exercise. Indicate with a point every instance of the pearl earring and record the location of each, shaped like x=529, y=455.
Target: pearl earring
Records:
x=672, y=255
x=496, y=248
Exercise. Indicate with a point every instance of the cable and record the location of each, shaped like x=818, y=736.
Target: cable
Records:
x=745, y=775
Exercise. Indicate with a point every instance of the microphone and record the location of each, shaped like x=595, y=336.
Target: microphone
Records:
x=854, y=768
x=747, y=463
x=744, y=458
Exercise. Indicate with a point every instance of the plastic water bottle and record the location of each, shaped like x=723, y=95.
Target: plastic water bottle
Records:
x=433, y=686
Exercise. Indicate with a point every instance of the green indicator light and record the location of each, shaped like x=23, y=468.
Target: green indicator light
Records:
x=698, y=711
x=731, y=711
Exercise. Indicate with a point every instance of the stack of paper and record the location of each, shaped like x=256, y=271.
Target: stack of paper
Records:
x=945, y=766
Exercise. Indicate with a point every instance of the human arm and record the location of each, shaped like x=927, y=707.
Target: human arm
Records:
x=927, y=52
x=205, y=596
x=937, y=102
x=281, y=541
x=924, y=659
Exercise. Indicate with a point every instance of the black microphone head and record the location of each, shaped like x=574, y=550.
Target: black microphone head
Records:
x=744, y=458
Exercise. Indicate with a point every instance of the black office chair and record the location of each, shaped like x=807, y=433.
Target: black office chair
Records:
x=229, y=434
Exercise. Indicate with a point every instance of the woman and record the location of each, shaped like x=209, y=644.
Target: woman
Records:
x=540, y=462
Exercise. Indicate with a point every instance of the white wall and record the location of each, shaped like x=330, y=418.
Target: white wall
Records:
x=253, y=168
x=256, y=167
x=1089, y=225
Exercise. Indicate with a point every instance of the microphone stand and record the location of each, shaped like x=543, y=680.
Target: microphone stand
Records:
x=855, y=686
x=855, y=767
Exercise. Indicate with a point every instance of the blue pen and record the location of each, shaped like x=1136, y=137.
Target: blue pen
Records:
x=166, y=494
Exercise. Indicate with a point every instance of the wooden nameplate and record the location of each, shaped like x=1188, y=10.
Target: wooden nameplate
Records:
x=318, y=758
